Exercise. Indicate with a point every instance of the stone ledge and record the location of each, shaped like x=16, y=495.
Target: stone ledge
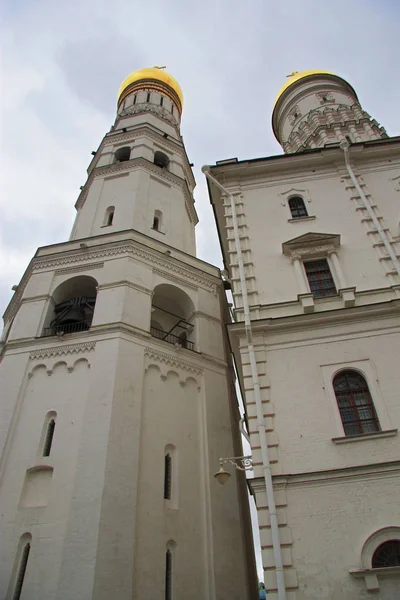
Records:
x=364, y=436
x=301, y=219
x=371, y=576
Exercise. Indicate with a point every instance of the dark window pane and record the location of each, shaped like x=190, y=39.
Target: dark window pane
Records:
x=320, y=278
x=297, y=207
x=387, y=555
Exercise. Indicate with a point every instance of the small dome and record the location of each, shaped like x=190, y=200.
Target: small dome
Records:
x=295, y=76
x=150, y=75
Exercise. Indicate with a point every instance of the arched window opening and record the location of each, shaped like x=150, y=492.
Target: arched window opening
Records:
x=20, y=566
x=122, y=154
x=74, y=303
x=109, y=216
x=387, y=555
x=167, y=476
x=157, y=220
x=161, y=159
x=355, y=404
x=297, y=207
x=172, y=311
x=168, y=575
x=49, y=437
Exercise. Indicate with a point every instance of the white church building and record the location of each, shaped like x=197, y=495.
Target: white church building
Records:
x=311, y=246
x=118, y=390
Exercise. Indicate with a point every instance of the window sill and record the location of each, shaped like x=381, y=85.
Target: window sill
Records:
x=365, y=436
x=371, y=576
x=101, y=226
x=158, y=231
x=309, y=218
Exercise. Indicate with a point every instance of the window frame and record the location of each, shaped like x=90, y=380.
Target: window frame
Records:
x=354, y=407
x=331, y=272
x=367, y=369
x=369, y=573
x=302, y=206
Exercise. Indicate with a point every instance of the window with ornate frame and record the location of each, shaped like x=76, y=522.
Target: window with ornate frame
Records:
x=320, y=278
x=297, y=207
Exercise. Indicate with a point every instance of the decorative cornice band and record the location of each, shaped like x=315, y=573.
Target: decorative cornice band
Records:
x=98, y=265
x=173, y=361
x=60, y=350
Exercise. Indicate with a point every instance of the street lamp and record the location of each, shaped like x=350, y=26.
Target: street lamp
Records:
x=242, y=463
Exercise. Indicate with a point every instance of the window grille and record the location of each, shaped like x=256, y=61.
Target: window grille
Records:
x=167, y=476
x=355, y=404
x=21, y=572
x=168, y=575
x=320, y=278
x=387, y=555
x=297, y=207
x=49, y=438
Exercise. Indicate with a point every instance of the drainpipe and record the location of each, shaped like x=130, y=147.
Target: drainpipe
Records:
x=276, y=544
x=382, y=234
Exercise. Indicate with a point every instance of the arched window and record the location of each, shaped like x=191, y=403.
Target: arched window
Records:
x=297, y=207
x=387, y=555
x=161, y=159
x=109, y=216
x=123, y=154
x=355, y=403
x=167, y=476
x=49, y=437
x=20, y=567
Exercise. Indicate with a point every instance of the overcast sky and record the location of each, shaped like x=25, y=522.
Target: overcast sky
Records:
x=63, y=63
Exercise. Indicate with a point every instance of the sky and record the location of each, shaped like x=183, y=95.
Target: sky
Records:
x=63, y=62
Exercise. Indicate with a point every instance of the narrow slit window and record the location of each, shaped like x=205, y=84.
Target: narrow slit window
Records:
x=21, y=572
x=134, y=99
x=49, y=438
x=156, y=223
x=355, y=403
x=161, y=100
x=297, y=207
x=110, y=218
x=167, y=477
x=320, y=278
x=168, y=575
x=172, y=109
x=148, y=97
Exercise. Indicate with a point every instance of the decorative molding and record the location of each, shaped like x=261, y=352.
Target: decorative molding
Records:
x=396, y=183
x=311, y=243
x=144, y=107
x=175, y=279
x=325, y=97
x=60, y=350
x=89, y=267
x=173, y=361
x=304, y=193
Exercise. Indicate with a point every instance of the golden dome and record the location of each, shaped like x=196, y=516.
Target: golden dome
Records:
x=154, y=75
x=295, y=76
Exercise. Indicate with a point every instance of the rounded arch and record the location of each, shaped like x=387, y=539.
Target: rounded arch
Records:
x=122, y=154
x=376, y=540
x=161, y=159
x=73, y=306
x=297, y=206
x=109, y=216
x=172, y=315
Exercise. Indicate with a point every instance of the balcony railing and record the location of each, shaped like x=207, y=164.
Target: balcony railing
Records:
x=66, y=328
x=170, y=338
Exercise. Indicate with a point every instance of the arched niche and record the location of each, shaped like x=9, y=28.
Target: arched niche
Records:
x=73, y=306
x=172, y=316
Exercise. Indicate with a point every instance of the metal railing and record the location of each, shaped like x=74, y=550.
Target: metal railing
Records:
x=171, y=338
x=66, y=328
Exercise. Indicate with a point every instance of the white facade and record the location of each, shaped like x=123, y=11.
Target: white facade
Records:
x=336, y=492
x=141, y=399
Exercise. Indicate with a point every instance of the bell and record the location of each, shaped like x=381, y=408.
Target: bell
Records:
x=76, y=314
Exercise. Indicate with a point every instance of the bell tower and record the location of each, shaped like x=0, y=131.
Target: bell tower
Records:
x=118, y=394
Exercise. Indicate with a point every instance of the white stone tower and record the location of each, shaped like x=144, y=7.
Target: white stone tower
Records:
x=118, y=392
x=311, y=241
